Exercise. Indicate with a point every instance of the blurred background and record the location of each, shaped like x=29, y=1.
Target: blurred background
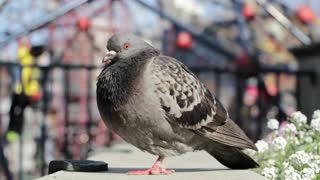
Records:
x=260, y=58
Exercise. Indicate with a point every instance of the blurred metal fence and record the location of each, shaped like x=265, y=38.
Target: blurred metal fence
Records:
x=76, y=137
x=309, y=89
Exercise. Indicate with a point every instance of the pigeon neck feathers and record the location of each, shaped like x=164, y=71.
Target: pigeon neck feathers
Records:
x=117, y=81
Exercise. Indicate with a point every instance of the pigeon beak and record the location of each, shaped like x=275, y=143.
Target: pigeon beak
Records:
x=109, y=56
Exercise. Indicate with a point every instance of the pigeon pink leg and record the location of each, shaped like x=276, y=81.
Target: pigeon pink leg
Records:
x=154, y=170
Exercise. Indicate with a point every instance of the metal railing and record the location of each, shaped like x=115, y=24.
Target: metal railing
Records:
x=72, y=147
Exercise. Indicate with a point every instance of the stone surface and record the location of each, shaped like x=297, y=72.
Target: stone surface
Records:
x=123, y=158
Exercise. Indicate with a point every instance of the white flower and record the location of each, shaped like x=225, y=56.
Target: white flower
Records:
x=310, y=133
x=285, y=164
x=308, y=139
x=301, y=134
x=273, y=124
x=279, y=143
x=291, y=174
x=315, y=124
x=308, y=173
x=294, y=140
x=262, y=146
x=250, y=151
x=303, y=178
x=271, y=162
x=289, y=170
x=298, y=118
x=316, y=159
x=291, y=129
x=269, y=172
x=299, y=158
x=315, y=167
x=316, y=114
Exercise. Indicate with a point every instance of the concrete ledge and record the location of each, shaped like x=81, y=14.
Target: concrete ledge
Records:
x=123, y=158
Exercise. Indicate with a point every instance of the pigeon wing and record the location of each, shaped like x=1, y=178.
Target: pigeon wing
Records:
x=188, y=103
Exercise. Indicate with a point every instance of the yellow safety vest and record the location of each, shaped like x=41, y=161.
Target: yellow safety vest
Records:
x=28, y=75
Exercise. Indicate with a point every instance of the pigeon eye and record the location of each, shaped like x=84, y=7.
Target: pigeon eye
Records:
x=126, y=45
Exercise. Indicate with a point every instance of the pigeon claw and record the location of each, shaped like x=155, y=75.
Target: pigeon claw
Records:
x=155, y=170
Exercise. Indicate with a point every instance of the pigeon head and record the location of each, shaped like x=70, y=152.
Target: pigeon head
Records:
x=123, y=46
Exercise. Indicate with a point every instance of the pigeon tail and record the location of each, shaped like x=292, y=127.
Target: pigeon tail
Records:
x=232, y=157
x=232, y=135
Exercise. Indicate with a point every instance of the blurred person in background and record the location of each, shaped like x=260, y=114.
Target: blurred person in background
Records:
x=23, y=113
x=26, y=90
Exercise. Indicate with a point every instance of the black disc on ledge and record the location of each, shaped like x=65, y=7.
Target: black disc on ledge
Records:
x=77, y=166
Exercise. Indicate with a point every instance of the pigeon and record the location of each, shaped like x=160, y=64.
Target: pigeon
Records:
x=157, y=104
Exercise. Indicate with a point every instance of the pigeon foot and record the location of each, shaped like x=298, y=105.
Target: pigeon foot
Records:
x=156, y=169
x=152, y=171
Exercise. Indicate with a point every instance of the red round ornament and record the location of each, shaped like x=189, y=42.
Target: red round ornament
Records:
x=184, y=40
x=305, y=14
x=248, y=11
x=83, y=23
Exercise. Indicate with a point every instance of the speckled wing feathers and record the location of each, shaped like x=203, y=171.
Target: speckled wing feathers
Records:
x=188, y=103
x=181, y=95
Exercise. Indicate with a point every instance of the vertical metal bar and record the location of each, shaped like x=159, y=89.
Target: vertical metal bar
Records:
x=238, y=98
x=278, y=96
x=298, y=90
x=244, y=36
x=89, y=114
x=217, y=79
x=1, y=69
x=4, y=162
x=66, y=116
x=21, y=136
x=45, y=73
x=21, y=157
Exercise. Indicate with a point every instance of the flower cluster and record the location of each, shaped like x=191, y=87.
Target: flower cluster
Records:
x=291, y=129
x=262, y=146
x=299, y=159
x=269, y=172
x=298, y=118
x=315, y=124
x=273, y=124
x=279, y=143
x=291, y=174
x=292, y=150
x=316, y=114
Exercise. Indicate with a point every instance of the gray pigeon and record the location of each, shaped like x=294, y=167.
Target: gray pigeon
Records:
x=157, y=104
